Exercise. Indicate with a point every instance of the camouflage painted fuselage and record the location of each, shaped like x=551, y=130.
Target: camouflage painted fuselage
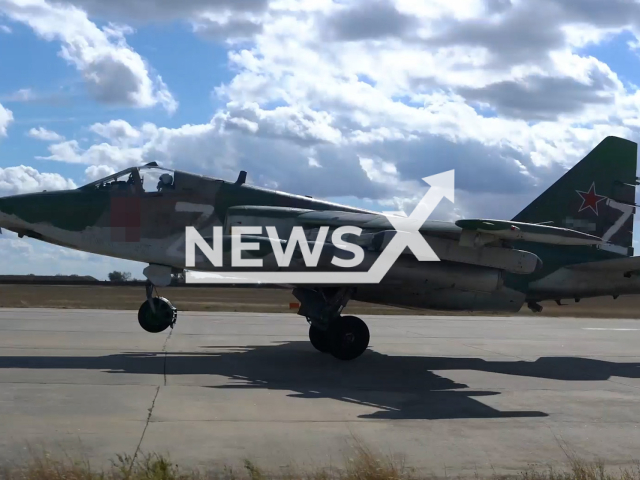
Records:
x=122, y=220
x=142, y=226
x=149, y=227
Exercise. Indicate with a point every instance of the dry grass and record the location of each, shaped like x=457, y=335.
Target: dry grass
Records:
x=584, y=471
x=363, y=464
x=202, y=299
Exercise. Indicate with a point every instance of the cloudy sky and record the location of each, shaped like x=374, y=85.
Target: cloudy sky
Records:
x=350, y=100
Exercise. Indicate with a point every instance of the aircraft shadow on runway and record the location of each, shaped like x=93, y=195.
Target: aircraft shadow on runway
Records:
x=400, y=387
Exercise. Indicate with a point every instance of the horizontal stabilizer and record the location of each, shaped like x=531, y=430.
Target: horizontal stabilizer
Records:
x=528, y=232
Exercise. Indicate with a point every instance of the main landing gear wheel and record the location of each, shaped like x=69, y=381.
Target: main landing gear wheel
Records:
x=348, y=337
x=158, y=317
x=319, y=339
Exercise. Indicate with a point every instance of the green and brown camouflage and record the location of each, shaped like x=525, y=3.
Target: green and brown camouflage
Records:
x=596, y=196
x=141, y=213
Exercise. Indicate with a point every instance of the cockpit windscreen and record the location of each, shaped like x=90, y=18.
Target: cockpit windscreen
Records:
x=149, y=178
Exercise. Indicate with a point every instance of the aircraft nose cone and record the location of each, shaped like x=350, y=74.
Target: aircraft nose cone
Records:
x=63, y=210
x=5, y=210
x=13, y=209
x=3, y=221
x=24, y=211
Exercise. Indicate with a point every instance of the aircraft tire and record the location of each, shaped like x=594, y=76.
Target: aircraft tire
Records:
x=349, y=337
x=158, y=321
x=319, y=339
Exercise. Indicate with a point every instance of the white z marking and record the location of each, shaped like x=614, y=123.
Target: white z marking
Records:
x=205, y=209
x=627, y=211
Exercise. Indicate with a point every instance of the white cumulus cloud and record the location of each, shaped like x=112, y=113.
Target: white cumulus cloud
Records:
x=98, y=154
x=382, y=93
x=43, y=134
x=117, y=131
x=96, y=172
x=23, y=179
x=6, y=117
x=112, y=71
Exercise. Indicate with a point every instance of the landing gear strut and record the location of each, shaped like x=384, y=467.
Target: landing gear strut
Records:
x=344, y=337
x=156, y=314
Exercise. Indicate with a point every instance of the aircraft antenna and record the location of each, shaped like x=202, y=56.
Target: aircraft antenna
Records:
x=242, y=177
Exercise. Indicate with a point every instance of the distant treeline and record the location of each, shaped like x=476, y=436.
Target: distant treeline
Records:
x=31, y=278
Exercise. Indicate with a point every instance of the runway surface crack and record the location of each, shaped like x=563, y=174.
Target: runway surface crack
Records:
x=153, y=402
x=144, y=430
x=164, y=363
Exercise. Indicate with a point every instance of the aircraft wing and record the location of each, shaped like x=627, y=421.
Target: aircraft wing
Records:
x=527, y=232
x=334, y=219
x=373, y=221
x=471, y=233
x=477, y=242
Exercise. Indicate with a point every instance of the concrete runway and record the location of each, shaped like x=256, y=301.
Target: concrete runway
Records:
x=454, y=395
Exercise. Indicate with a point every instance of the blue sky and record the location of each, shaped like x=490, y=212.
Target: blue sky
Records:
x=192, y=66
x=318, y=98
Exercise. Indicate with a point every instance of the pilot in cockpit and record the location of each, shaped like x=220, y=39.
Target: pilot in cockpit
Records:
x=165, y=183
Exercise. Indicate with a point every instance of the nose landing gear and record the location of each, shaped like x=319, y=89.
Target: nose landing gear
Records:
x=156, y=314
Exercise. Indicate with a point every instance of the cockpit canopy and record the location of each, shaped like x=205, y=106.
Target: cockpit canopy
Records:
x=149, y=178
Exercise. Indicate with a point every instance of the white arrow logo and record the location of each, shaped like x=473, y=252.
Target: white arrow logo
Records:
x=409, y=227
x=407, y=236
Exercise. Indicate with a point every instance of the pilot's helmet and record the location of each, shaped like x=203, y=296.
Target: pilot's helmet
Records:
x=166, y=179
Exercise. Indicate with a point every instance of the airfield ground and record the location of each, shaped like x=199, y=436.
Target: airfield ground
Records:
x=457, y=396
x=267, y=300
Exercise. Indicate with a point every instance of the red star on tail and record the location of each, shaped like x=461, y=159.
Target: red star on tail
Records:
x=590, y=199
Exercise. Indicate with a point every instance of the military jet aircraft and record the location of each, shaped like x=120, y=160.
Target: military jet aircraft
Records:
x=573, y=241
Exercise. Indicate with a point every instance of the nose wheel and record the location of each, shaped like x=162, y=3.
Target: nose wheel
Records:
x=156, y=314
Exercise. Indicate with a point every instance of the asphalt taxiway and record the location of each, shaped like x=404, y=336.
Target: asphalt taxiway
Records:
x=453, y=395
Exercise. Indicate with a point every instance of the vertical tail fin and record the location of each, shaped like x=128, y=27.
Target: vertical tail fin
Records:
x=596, y=196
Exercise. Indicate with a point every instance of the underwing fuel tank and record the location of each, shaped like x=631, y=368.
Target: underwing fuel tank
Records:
x=439, y=274
x=511, y=260
x=514, y=261
x=445, y=274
